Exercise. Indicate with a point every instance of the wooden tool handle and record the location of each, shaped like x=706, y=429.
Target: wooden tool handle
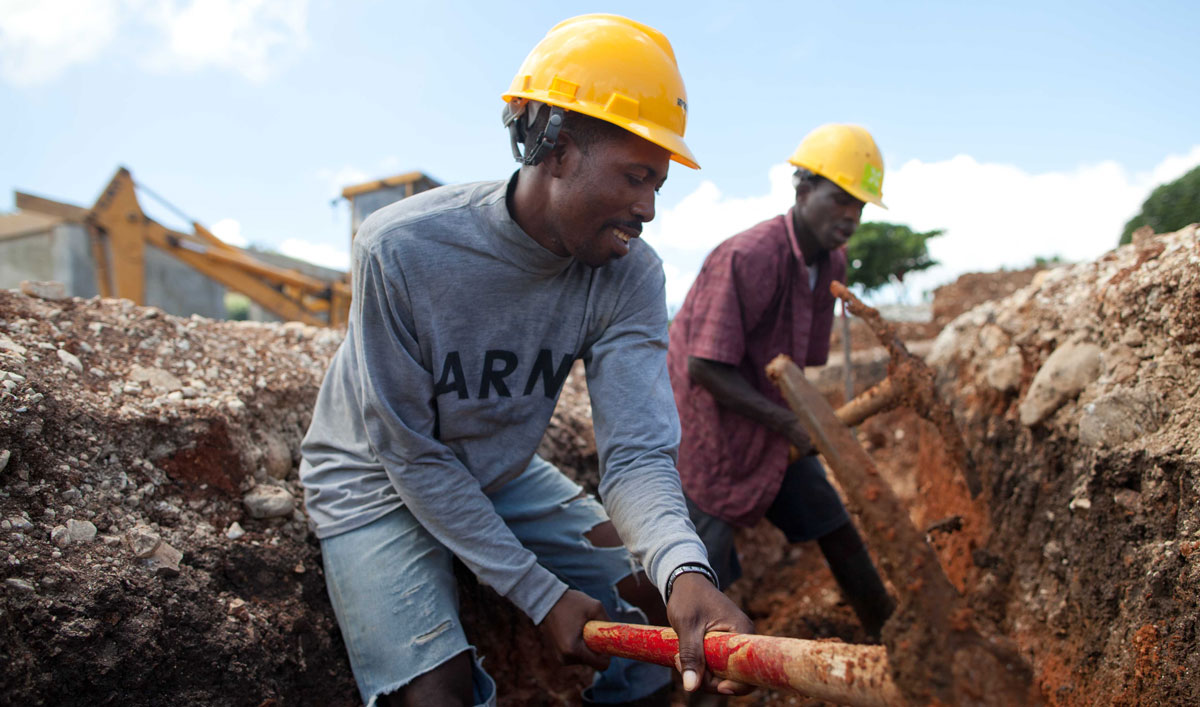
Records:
x=827, y=670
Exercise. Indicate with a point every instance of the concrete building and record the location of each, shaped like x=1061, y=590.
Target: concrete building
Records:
x=38, y=246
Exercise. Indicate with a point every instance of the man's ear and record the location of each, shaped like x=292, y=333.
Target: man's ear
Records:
x=803, y=189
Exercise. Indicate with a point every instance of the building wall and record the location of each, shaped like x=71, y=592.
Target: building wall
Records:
x=175, y=288
x=63, y=253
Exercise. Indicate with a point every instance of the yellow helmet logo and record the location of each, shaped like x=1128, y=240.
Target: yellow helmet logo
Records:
x=847, y=156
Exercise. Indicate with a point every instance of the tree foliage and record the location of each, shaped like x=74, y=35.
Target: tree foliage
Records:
x=880, y=251
x=1170, y=207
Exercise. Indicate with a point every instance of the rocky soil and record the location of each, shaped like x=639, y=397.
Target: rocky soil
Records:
x=153, y=548
x=1079, y=396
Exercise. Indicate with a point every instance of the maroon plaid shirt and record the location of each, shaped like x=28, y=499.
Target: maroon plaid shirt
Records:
x=750, y=302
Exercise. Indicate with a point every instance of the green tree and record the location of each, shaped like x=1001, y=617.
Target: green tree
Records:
x=880, y=252
x=1170, y=207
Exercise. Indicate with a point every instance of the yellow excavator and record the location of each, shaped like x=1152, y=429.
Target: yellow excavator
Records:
x=120, y=231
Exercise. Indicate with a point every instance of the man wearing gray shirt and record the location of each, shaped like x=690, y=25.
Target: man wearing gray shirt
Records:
x=470, y=304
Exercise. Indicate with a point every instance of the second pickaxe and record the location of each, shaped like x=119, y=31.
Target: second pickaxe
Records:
x=909, y=383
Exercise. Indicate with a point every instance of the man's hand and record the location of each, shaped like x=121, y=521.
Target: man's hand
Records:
x=563, y=627
x=697, y=607
x=802, y=445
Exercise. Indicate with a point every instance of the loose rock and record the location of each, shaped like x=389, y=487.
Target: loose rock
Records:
x=70, y=360
x=269, y=502
x=164, y=560
x=1066, y=372
x=81, y=531
x=45, y=290
x=142, y=540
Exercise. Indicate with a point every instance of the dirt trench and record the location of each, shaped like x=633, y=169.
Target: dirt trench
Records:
x=137, y=449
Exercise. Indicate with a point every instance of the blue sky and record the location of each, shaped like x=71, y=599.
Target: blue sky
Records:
x=1022, y=128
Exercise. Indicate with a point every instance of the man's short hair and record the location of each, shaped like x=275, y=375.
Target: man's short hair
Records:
x=585, y=130
x=806, y=176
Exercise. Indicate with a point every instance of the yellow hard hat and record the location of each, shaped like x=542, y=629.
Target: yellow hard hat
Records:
x=613, y=69
x=845, y=155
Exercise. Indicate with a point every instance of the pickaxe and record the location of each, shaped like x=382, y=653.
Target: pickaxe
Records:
x=909, y=383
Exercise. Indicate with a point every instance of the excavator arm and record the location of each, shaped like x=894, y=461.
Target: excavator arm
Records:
x=120, y=232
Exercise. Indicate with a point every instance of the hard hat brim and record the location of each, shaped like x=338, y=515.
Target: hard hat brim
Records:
x=650, y=132
x=852, y=189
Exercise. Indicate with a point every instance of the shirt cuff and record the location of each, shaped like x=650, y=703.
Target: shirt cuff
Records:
x=681, y=553
x=536, y=592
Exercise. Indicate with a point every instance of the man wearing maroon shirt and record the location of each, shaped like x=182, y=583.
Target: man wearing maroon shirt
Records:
x=761, y=293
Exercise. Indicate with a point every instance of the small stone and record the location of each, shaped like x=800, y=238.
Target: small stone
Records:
x=81, y=531
x=142, y=540
x=269, y=502
x=7, y=344
x=299, y=568
x=60, y=536
x=1133, y=337
x=5, y=455
x=19, y=584
x=237, y=407
x=1004, y=373
x=277, y=457
x=165, y=560
x=1080, y=502
x=20, y=524
x=44, y=290
x=238, y=610
x=155, y=377
x=234, y=531
x=70, y=360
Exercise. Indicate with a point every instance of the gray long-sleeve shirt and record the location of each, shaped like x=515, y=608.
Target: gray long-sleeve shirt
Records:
x=462, y=330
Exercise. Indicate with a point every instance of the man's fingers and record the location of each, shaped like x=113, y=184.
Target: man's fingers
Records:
x=691, y=658
x=595, y=660
x=733, y=687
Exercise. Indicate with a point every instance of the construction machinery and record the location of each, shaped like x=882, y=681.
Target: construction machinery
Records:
x=120, y=232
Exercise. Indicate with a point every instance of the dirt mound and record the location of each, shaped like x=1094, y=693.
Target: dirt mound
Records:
x=1078, y=397
x=153, y=544
x=134, y=570
x=974, y=288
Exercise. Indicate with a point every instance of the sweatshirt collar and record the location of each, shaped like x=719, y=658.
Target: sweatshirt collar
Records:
x=514, y=244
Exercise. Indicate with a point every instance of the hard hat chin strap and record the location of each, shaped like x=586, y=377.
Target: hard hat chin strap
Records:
x=518, y=115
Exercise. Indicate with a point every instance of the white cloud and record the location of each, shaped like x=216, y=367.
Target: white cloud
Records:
x=230, y=231
x=994, y=215
x=998, y=215
x=40, y=39
x=321, y=254
x=250, y=37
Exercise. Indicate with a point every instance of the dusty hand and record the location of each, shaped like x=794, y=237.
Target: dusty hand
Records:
x=697, y=607
x=563, y=627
